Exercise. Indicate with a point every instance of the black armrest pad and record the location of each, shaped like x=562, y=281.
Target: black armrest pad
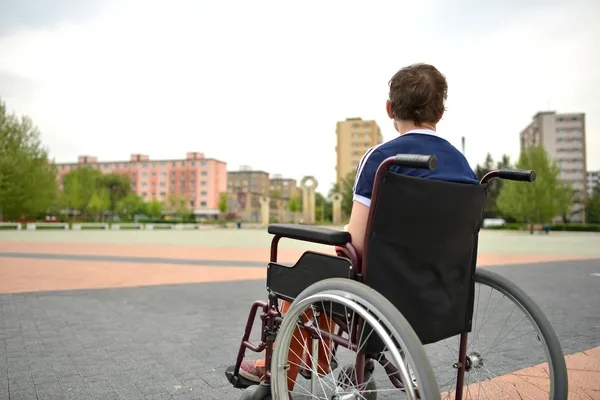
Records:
x=312, y=234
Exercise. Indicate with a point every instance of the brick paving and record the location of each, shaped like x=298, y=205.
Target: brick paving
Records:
x=159, y=331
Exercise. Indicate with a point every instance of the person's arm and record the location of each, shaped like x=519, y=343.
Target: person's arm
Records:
x=362, y=192
x=358, y=226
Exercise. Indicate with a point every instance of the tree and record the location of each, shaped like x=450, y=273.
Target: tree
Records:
x=118, y=186
x=223, y=203
x=538, y=202
x=178, y=205
x=154, y=209
x=491, y=207
x=28, y=185
x=347, y=191
x=294, y=204
x=323, y=208
x=131, y=205
x=593, y=206
x=79, y=186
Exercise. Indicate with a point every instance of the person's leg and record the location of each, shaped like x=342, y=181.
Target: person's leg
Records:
x=254, y=370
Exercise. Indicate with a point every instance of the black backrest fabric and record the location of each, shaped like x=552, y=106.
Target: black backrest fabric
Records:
x=421, y=251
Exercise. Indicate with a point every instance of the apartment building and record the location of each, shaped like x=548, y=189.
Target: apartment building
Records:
x=593, y=181
x=247, y=180
x=199, y=179
x=285, y=187
x=563, y=137
x=354, y=138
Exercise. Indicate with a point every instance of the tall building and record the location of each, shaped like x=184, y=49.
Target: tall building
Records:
x=200, y=180
x=354, y=138
x=247, y=180
x=593, y=181
x=563, y=138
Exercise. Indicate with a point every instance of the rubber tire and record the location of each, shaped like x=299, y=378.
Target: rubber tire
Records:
x=422, y=369
x=251, y=391
x=559, y=365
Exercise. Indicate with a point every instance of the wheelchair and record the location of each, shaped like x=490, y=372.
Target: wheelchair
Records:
x=410, y=308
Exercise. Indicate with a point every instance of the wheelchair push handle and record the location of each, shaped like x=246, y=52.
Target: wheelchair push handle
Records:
x=416, y=161
x=517, y=175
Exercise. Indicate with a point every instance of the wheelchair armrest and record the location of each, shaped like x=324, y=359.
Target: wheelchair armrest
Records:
x=307, y=233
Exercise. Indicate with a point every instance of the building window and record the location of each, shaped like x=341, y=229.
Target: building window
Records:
x=163, y=174
x=163, y=164
x=203, y=203
x=144, y=174
x=144, y=165
x=154, y=174
x=203, y=173
x=163, y=184
x=162, y=194
x=355, y=134
x=202, y=193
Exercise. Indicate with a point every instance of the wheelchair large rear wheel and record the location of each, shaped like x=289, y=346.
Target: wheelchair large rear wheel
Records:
x=346, y=303
x=512, y=352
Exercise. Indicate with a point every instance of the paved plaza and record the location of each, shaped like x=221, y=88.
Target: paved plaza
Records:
x=159, y=314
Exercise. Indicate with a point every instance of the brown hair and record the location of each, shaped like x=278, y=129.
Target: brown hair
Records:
x=418, y=93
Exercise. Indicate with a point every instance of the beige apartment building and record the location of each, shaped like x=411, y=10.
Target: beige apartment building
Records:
x=354, y=138
x=247, y=180
x=286, y=188
x=563, y=137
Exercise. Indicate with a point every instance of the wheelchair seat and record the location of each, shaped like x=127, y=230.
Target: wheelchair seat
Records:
x=314, y=234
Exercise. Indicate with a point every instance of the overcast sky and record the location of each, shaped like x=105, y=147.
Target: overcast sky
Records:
x=262, y=83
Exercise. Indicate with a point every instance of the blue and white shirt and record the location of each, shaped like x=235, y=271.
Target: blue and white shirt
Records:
x=452, y=165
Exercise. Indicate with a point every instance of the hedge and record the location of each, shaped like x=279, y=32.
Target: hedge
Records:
x=573, y=227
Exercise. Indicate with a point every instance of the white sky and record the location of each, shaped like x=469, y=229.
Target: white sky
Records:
x=262, y=83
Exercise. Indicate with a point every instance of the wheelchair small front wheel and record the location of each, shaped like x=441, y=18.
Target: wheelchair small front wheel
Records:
x=356, y=318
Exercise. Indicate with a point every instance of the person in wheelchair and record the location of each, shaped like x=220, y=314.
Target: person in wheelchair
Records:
x=416, y=103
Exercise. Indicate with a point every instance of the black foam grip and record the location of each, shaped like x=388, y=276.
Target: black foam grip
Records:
x=517, y=175
x=416, y=161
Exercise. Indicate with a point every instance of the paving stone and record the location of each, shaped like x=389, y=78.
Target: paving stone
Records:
x=173, y=342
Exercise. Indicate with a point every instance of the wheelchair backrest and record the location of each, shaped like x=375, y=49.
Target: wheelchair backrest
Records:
x=421, y=250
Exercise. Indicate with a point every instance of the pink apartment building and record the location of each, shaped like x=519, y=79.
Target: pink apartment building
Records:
x=201, y=180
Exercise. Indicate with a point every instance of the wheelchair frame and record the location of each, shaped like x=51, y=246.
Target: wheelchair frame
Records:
x=271, y=316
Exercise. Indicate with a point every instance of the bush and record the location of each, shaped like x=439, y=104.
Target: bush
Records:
x=572, y=227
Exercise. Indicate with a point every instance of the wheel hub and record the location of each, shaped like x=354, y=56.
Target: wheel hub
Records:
x=474, y=360
x=353, y=394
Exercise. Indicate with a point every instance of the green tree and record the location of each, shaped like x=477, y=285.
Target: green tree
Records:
x=178, y=205
x=593, y=206
x=294, y=204
x=79, y=186
x=223, y=203
x=154, y=209
x=129, y=206
x=538, y=202
x=118, y=186
x=491, y=206
x=28, y=185
x=347, y=191
x=323, y=208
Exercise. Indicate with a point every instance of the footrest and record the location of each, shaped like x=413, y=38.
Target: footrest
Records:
x=237, y=381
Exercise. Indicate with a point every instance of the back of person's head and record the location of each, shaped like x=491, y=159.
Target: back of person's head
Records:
x=418, y=93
